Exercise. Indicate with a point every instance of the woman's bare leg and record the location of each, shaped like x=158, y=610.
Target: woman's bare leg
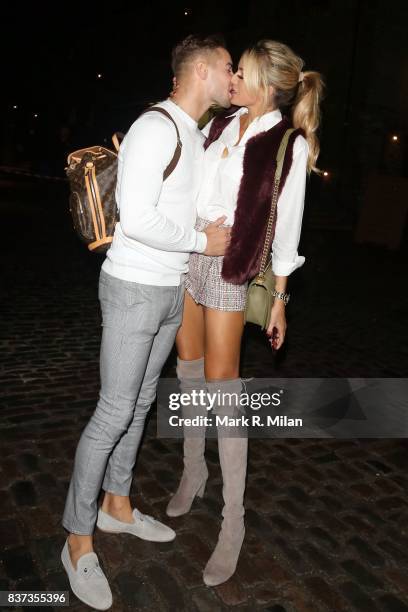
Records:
x=222, y=342
x=190, y=336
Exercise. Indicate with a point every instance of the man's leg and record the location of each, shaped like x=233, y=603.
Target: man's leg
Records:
x=119, y=473
x=130, y=322
x=132, y=316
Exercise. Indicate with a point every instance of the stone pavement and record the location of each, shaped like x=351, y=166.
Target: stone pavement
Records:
x=327, y=520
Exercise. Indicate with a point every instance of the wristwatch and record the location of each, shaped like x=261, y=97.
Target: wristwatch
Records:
x=281, y=296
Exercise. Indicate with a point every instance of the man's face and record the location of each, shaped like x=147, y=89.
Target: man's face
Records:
x=219, y=77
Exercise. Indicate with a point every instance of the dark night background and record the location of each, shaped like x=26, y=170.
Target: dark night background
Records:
x=73, y=77
x=327, y=519
x=55, y=51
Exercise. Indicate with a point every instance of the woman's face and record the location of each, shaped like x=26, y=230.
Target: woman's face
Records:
x=239, y=92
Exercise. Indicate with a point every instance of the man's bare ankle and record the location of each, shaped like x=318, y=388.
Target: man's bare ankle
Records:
x=78, y=546
x=116, y=505
x=118, y=501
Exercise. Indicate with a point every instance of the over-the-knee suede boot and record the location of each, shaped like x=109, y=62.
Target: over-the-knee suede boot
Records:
x=195, y=473
x=233, y=460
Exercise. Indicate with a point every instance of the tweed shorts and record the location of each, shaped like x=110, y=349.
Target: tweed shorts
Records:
x=205, y=284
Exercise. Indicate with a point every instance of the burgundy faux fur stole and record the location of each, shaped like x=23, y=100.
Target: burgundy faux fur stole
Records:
x=218, y=125
x=243, y=257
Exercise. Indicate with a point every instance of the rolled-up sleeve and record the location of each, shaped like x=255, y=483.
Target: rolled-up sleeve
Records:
x=285, y=257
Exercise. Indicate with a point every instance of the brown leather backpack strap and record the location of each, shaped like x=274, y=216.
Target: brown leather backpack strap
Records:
x=177, y=153
x=117, y=138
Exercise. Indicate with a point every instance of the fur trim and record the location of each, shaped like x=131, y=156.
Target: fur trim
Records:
x=219, y=124
x=243, y=257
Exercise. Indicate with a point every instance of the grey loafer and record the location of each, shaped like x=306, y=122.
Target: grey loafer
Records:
x=88, y=582
x=144, y=527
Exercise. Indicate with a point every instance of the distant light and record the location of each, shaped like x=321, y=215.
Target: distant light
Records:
x=187, y=11
x=395, y=138
x=15, y=106
x=99, y=76
x=325, y=173
x=35, y=115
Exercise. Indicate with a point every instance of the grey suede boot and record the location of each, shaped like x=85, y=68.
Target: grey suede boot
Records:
x=233, y=450
x=195, y=473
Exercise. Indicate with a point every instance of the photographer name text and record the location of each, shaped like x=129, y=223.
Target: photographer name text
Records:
x=242, y=421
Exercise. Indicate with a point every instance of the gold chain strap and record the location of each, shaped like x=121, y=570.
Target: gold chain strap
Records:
x=278, y=173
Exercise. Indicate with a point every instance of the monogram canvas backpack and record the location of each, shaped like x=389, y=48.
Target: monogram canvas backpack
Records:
x=92, y=174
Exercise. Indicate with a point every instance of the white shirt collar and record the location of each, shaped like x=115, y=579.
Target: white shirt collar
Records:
x=241, y=111
x=268, y=120
x=259, y=124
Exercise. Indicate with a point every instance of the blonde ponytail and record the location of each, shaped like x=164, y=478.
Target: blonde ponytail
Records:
x=306, y=113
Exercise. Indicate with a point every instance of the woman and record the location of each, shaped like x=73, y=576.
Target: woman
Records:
x=240, y=150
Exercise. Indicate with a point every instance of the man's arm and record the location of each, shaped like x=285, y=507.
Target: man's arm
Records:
x=149, y=147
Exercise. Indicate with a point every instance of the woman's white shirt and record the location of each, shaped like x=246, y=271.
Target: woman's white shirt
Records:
x=221, y=178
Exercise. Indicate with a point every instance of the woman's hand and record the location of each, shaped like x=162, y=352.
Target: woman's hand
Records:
x=278, y=320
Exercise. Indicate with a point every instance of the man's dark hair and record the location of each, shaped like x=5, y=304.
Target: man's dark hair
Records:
x=191, y=46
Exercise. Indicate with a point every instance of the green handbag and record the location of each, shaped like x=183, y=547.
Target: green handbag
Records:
x=259, y=299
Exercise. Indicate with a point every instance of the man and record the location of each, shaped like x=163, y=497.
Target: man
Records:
x=141, y=293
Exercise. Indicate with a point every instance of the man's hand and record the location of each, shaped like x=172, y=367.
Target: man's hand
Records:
x=218, y=238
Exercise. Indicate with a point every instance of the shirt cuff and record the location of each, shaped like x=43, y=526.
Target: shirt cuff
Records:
x=201, y=242
x=284, y=268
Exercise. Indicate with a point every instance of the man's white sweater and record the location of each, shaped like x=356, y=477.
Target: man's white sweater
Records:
x=156, y=234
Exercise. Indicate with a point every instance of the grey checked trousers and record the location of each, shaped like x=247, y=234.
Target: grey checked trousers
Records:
x=140, y=323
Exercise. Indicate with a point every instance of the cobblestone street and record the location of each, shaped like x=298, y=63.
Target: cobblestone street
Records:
x=326, y=521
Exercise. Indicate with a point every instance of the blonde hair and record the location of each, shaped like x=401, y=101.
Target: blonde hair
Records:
x=273, y=63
